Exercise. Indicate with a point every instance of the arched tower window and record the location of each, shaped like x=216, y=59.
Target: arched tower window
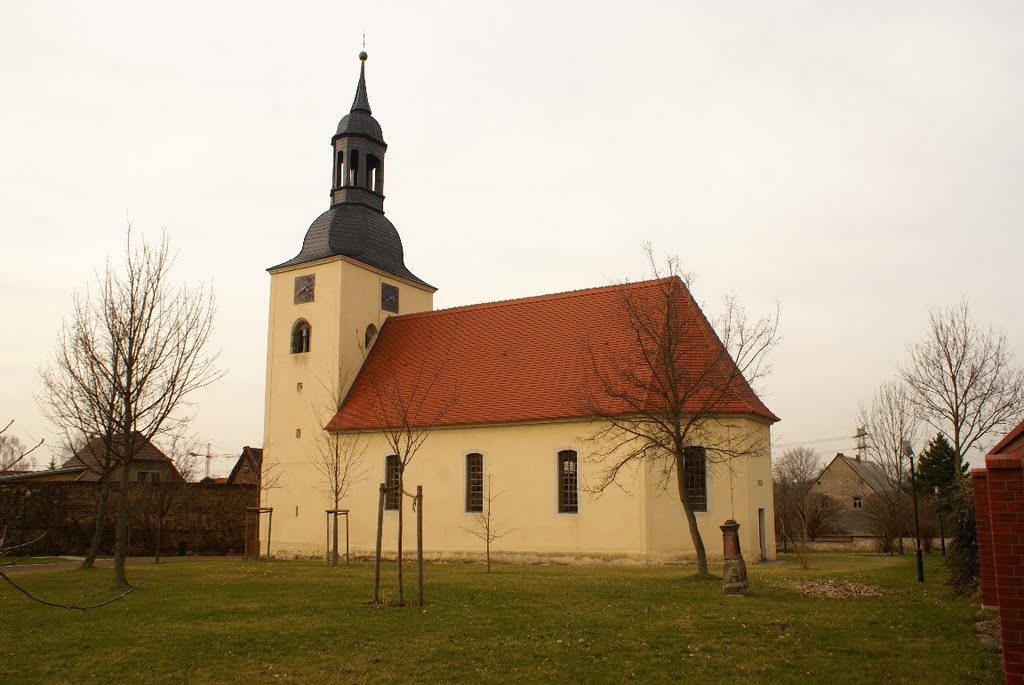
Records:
x=353, y=168
x=371, y=333
x=339, y=170
x=301, y=332
x=374, y=181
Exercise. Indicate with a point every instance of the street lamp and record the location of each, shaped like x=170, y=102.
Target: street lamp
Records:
x=909, y=451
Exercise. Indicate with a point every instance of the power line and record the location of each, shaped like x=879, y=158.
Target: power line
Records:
x=815, y=441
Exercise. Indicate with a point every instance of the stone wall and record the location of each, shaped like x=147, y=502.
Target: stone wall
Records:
x=200, y=518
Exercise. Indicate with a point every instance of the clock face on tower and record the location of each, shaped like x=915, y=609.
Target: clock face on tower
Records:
x=389, y=298
x=304, y=288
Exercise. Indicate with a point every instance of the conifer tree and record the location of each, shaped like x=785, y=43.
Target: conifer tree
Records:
x=939, y=467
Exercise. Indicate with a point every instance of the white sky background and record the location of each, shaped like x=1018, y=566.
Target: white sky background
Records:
x=859, y=161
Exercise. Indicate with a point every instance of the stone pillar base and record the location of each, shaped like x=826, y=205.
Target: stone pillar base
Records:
x=734, y=573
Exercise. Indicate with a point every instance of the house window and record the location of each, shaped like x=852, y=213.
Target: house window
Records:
x=568, y=483
x=695, y=475
x=301, y=333
x=391, y=493
x=474, y=483
x=857, y=503
x=150, y=476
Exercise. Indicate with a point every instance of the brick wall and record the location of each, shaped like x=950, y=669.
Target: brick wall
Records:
x=1001, y=552
x=201, y=518
x=987, y=569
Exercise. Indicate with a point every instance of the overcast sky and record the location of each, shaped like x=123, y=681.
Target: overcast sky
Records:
x=861, y=162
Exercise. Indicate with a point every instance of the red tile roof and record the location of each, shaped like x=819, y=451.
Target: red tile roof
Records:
x=1006, y=445
x=534, y=358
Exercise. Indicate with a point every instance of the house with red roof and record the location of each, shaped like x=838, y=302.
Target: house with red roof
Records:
x=516, y=396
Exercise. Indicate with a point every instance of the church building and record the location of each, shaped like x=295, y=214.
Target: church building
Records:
x=512, y=403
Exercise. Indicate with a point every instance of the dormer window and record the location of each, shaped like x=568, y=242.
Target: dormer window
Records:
x=301, y=332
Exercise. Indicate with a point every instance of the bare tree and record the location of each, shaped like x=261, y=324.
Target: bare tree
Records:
x=792, y=476
x=484, y=526
x=963, y=378
x=410, y=406
x=79, y=397
x=338, y=457
x=165, y=494
x=891, y=423
x=12, y=452
x=666, y=399
x=127, y=362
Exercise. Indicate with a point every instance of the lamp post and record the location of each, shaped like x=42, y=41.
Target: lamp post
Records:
x=917, y=520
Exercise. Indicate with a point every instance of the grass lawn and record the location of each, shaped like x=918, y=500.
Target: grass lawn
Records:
x=301, y=622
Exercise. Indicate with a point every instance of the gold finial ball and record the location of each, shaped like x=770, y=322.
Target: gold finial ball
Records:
x=362, y=55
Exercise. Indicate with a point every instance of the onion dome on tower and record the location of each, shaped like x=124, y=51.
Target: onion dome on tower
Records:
x=355, y=225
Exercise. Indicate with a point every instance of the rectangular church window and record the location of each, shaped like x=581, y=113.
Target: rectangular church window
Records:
x=391, y=493
x=568, y=483
x=695, y=470
x=474, y=483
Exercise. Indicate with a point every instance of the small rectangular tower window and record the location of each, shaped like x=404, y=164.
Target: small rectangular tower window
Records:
x=857, y=503
x=474, y=483
x=568, y=483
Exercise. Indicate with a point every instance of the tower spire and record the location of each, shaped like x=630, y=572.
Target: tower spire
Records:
x=362, y=102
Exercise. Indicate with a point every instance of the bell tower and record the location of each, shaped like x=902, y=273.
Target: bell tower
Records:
x=359, y=149
x=327, y=305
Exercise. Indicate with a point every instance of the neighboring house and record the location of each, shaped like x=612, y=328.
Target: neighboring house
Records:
x=149, y=465
x=849, y=481
x=513, y=373
x=247, y=469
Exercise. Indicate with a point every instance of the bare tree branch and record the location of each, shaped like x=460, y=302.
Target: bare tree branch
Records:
x=126, y=361
x=670, y=397
x=964, y=379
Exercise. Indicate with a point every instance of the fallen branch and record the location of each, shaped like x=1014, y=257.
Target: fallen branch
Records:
x=77, y=605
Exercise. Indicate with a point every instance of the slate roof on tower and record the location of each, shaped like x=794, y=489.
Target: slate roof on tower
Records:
x=520, y=360
x=355, y=226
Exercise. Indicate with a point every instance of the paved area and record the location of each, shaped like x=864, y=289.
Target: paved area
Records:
x=75, y=562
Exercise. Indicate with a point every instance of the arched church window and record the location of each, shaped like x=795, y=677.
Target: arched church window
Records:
x=391, y=493
x=695, y=476
x=371, y=333
x=301, y=332
x=353, y=168
x=339, y=170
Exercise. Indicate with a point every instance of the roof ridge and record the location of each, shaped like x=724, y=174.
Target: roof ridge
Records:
x=567, y=294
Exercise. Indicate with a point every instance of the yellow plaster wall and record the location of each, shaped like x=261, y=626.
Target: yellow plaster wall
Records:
x=346, y=300
x=736, y=489
x=522, y=458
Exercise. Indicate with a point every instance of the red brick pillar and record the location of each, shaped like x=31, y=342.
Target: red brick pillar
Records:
x=983, y=523
x=1006, y=511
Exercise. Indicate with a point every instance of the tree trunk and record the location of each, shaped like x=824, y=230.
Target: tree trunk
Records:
x=121, y=539
x=691, y=519
x=159, y=533
x=334, y=555
x=401, y=508
x=101, y=514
